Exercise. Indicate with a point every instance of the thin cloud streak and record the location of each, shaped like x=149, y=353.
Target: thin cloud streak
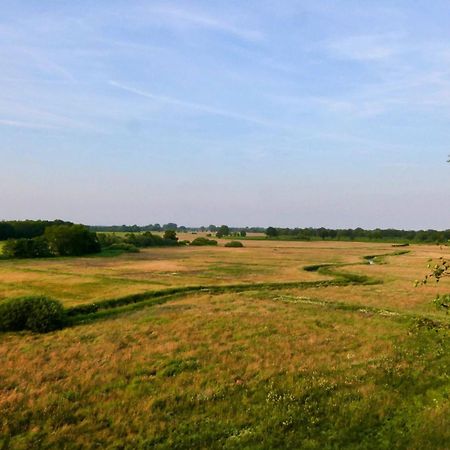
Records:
x=178, y=16
x=194, y=106
x=19, y=124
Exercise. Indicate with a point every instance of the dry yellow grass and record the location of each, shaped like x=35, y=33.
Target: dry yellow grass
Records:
x=235, y=370
x=80, y=280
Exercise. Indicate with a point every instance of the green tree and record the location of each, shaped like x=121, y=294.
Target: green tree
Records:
x=170, y=234
x=224, y=230
x=71, y=240
x=271, y=232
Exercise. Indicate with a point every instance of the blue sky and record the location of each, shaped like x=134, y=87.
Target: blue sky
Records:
x=285, y=113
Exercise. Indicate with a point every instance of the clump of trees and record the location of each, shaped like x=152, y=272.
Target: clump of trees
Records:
x=56, y=240
x=224, y=230
x=200, y=241
x=71, y=240
x=149, y=239
x=27, y=248
x=132, y=242
x=38, y=314
x=26, y=229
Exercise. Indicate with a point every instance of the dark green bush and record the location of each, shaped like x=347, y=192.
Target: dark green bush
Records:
x=129, y=248
x=148, y=239
x=38, y=314
x=203, y=241
x=108, y=239
x=26, y=248
x=234, y=244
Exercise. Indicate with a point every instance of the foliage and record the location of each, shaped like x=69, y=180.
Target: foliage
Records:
x=26, y=248
x=359, y=234
x=272, y=232
x=203, y=241
x=170, y=234
x=123, y=246
x=148, y=239
x=234, y=244
x=71, y=240
x=38, y=314
x=17, y=229
x=224, y=230
x=108, y=239
x=437, y=271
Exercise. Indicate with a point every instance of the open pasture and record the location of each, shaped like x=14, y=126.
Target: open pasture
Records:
x=360, y=364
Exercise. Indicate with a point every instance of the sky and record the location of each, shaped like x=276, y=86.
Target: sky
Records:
x=246, y=113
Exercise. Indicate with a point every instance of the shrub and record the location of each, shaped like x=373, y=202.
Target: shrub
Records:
x=108, y=239
x=234, y=244
x=26, y=248
x=203, y=241
x=129, y=248
x=148, y=239
x=38, y=314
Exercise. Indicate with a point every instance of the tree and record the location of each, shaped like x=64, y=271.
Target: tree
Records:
x=271, y=232
x=224, y=230
x=71, y=240
x=170, y=234
x=170, y=226
x=243, y=233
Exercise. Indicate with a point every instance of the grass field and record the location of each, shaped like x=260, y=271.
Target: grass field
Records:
x=278, y=360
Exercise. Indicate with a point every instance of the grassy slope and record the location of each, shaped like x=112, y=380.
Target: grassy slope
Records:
x=261, y=368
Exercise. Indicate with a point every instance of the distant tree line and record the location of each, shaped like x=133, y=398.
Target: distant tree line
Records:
x=138, y=228
x=359, y=234
x=179, y=228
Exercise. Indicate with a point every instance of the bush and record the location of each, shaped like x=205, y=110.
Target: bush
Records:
x=234, y=244
x=148, y=239
x=38, y=314
x=129, y=248
x=203, y=241
x=108, y=239
x=26, y=248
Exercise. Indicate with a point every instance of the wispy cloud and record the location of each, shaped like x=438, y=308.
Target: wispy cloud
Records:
x=194, y=106
x=181, y=17
x=28, y=125
x=365, y=47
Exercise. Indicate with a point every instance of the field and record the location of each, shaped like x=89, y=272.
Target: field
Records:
x=231, y=348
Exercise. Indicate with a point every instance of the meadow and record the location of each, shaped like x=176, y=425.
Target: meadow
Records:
x=231, y=348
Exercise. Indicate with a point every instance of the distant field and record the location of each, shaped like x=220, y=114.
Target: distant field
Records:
x=350, y=365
